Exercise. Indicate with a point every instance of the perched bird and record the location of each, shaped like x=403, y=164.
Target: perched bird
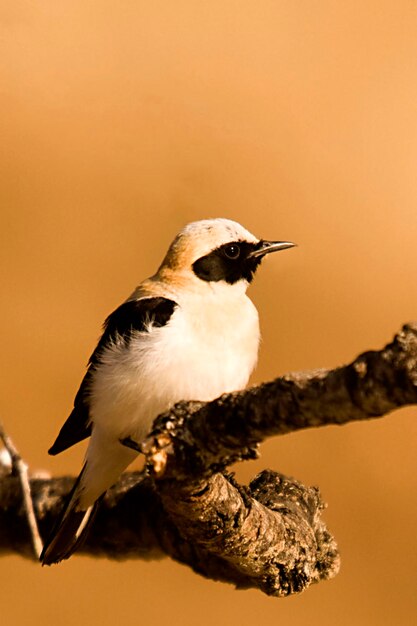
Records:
x=187, y=333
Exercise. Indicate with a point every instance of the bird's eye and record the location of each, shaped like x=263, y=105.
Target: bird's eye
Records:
x=232, y=251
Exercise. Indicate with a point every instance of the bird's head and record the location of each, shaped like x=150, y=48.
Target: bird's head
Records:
x=218, y=250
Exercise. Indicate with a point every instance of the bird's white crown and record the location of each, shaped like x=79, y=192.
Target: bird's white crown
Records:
x=197, y=239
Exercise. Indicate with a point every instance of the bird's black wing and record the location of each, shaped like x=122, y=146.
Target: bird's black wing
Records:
x=133, y=315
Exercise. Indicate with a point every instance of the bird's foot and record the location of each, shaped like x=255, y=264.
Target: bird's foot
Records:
x=131, y=443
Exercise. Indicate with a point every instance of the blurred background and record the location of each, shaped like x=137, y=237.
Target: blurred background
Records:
x=123, y=121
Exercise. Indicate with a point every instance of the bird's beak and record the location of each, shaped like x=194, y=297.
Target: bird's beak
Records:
x=265, y=247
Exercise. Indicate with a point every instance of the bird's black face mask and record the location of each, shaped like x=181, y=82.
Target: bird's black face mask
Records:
x=236, y=260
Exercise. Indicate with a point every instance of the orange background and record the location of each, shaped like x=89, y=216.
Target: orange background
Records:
x=124, y=120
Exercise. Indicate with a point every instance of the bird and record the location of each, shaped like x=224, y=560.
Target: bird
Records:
x=189, y=332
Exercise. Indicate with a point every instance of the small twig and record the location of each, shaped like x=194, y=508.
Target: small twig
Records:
x=20, y=469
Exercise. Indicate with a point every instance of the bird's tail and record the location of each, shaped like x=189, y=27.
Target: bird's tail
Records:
x=71, y=528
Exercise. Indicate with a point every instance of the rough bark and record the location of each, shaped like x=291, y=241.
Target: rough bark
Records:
x=269, y=535
x=195, y=438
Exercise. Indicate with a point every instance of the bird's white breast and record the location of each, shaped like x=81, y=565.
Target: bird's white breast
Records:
x=208, y=347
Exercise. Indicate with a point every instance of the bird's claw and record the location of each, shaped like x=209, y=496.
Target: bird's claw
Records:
x=131, y=443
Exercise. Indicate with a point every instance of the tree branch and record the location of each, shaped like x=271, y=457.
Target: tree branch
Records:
x=200, y=438
x=269, y=535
